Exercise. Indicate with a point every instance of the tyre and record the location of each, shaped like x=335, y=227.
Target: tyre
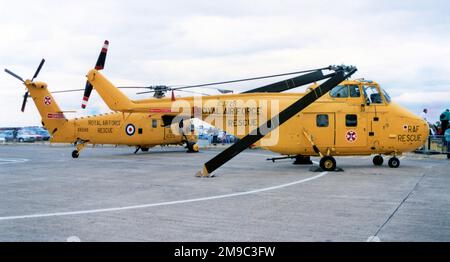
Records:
x=394, y=162
x=377, y=160
x=144, y=149
x=75, y=154
x=328, y=163
x=21, y=140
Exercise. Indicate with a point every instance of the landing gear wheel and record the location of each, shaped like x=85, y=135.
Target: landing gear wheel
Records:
x=394, y=162
x=144, y=149
x=328, y=163
x=377, y=160
x=75, y=154
x=192, y=147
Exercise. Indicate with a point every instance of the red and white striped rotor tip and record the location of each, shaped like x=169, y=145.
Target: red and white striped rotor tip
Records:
x=84, y=102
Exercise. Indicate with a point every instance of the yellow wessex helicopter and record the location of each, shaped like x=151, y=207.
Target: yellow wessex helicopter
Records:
x=338, y=117
x=142, y=130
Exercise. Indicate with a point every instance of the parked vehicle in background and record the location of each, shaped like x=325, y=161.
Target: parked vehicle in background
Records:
x=26, y=136
x=2, y=138
x=44, y=134
x=8, y=135
x=40, y=132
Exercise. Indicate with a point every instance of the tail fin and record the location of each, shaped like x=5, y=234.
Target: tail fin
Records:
x=113, y=97
x=52, y=117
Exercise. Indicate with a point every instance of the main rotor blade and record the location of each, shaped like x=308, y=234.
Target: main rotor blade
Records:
x=144, y=92
x=275, y=122
x=24, y=103
x=188, y=91
x=249, y=79
x=290, y=83
x=38, y=69
x=16, y=76
x=67, y=91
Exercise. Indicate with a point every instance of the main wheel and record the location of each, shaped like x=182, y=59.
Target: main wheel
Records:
x=75, y=154
x=377, y=160
x=192, y=147
x=144, y=149
x=394, y=162
x=328, y=163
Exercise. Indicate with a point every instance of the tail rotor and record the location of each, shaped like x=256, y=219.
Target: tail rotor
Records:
x=98, y=66
x=25, y=96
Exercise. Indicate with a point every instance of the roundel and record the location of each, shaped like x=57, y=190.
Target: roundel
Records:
x=351, y=136
x=130, y=129
x=47, y=100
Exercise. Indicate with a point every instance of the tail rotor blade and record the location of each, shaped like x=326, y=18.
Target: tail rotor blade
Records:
x=24, y=103
x=38, y=69
x=14, y=75
x=87, y=94
x=98, y=66
x=102, y=57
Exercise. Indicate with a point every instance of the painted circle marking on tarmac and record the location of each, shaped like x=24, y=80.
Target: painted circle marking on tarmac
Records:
x=192, y=200
x=6, y=161
x=130, y=129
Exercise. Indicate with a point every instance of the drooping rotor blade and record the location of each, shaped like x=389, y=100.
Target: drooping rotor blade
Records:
x=249, y=79
x=276, y=121
x=14, y=75
x=24, y=103
x=98, y=66
x=38, y=69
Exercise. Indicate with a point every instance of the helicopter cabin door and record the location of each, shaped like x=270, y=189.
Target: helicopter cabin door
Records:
x=321, y=127
x=351, y=123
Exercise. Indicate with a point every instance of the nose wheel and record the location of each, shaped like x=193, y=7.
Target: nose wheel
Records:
x=394, y=162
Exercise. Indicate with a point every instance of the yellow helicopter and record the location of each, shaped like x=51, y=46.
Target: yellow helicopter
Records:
x=142, y=130
x=338, y=117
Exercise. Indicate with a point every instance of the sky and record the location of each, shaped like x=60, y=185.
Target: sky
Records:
x=403, y=45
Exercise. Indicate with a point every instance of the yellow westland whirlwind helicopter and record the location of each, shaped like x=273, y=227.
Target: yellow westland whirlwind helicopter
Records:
x=142, y=130
x=350, y=117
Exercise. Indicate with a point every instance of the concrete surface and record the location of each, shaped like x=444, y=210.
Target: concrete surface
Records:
x=113, y=195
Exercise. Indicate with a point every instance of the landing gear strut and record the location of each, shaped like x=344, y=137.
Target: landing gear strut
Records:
x=79, y=144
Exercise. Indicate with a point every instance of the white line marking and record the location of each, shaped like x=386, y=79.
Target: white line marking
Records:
x=5, y=161
x=91, y=211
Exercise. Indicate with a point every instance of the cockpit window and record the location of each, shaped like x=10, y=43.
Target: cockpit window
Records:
x=386, y=95
x=339, y=91
x=354, y=91
x=345, y=91
x=372, y=95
